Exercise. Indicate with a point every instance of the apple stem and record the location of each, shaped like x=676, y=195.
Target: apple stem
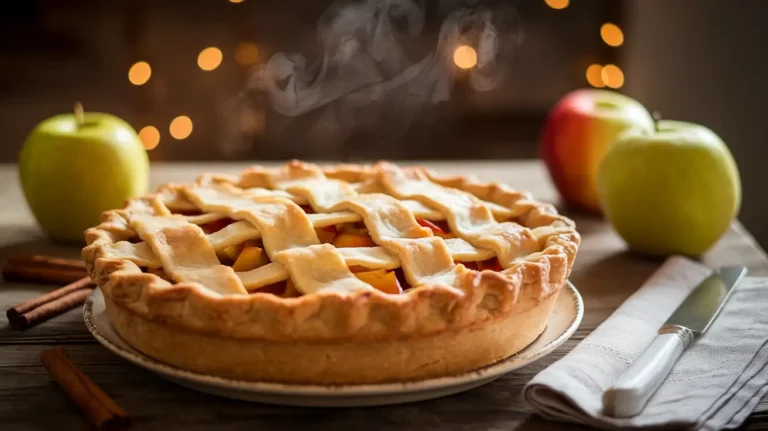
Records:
x=656, y=119
x=79, y=114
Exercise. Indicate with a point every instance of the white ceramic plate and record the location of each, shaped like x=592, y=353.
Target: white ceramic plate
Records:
x=566, y=316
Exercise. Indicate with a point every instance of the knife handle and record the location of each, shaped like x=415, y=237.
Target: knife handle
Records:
x=632, y=390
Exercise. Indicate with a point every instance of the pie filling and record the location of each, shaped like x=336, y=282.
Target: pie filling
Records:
x=251, y=254
x=293, y=231
x=309, y=274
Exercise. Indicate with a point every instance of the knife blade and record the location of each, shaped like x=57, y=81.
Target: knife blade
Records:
x=632, y=390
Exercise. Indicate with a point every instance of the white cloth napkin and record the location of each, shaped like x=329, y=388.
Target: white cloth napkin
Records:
x=716, y=384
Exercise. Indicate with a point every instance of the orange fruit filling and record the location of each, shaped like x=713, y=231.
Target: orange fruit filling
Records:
x=251, y=255
x=351, y=240
x=381, y=279
x=441, y=231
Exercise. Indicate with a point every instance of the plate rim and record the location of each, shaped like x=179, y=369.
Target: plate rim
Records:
x=487, y=372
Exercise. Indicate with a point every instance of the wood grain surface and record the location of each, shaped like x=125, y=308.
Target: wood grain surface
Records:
x=605, y=273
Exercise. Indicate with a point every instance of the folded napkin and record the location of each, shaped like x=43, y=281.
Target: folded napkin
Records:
x=716, y=384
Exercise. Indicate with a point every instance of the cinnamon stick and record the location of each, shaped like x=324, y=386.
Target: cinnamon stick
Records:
x=98, y=407
x=42, y=308
x=43, y=269
x=45, y=261
x=42, y=275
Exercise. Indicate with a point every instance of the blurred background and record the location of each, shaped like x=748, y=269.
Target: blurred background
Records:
x=266, y=80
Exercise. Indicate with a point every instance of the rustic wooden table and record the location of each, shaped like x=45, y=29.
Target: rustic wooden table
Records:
x=604, y=273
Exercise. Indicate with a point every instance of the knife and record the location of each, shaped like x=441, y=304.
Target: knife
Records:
x=632, y=390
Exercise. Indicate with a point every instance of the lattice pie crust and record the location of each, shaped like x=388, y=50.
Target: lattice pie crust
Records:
x=170, y=297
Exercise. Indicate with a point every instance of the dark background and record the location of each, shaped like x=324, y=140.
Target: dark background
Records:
x=696, y=60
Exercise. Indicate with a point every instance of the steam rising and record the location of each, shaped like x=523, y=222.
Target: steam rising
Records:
x=367, y=77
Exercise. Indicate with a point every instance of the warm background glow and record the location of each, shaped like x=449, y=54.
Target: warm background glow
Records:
x=247, y=53
x=236, y=1
x=209, y=58
x=594, y=76
x=465, y=57
x=139, y=73
x=612, y=76
x=150, y=137
x=557, y=4
x=181, y=127
x=611, y=34
x=252, y=121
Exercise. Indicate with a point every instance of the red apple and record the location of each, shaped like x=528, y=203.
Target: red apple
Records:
x=577, y=134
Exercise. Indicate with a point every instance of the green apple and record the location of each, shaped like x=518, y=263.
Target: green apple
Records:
x=74, y=167
x=674, y=190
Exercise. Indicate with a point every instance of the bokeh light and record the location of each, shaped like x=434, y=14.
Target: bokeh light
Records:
x=594, y=76
x=612, y=76
x=139, y=73
x=557, y=4
x=236, y=1
x=465, y=57
x=209, y=58
x=611, y=34
x=247, y=53
x=150, y=137
x=181, y=127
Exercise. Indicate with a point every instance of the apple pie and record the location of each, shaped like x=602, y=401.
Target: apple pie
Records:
x=336, y=274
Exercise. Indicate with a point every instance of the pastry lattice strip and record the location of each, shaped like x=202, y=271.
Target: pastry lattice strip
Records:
x=424, y=259
x=185, y=253
x=367, y=257
x=467, y=216
x=143, y=254
x=288, y=236
x=391, y=224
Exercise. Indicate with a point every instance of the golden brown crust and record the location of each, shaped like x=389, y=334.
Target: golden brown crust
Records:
x=428, y=312
x=443, y=354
